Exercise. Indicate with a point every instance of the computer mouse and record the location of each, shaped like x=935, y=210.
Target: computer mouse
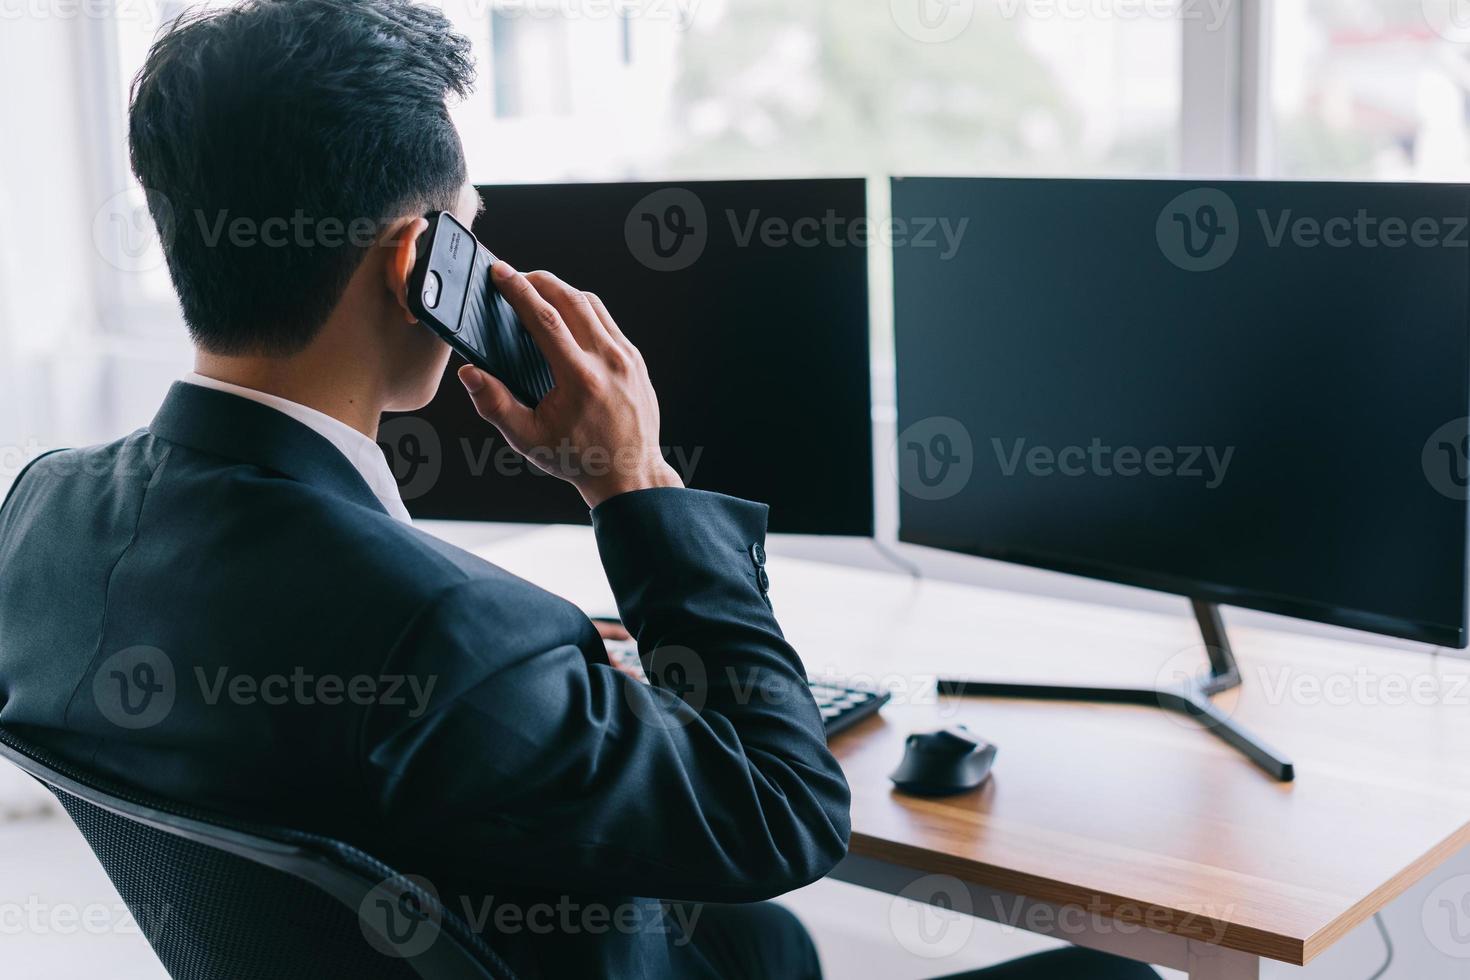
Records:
x=951, y=760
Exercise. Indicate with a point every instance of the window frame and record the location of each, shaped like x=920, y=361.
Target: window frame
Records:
x=1225, y=125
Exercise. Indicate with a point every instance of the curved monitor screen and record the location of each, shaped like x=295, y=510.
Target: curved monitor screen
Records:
x=749, y=302
x=1249, y=393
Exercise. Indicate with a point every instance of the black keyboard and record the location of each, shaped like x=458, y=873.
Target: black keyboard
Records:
x=842, y=706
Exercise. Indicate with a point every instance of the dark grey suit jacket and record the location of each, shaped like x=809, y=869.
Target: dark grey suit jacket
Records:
x=217, y=610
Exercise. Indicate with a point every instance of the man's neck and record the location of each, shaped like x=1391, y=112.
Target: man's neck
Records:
x=354, y=401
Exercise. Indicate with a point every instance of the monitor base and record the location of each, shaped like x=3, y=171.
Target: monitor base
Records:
x=1190, y=698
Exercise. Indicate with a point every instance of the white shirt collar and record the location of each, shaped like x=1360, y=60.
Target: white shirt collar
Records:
x=361, y=452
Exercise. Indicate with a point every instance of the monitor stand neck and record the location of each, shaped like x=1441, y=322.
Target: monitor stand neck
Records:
x=1191, y=697
x=1224, y=671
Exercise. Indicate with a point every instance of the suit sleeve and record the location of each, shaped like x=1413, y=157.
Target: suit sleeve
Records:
x=540, y=767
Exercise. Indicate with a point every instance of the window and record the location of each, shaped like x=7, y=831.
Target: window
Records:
x=735, y=88
x=568, y=89
x=1371, y=89
x=699, y=88
x=134, y=287
x=529, y=64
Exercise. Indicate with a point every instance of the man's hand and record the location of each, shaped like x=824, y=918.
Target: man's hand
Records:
x=622, y=651
x=598, y=429
x=609, y=630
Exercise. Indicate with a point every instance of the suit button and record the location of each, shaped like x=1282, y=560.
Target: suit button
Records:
x=763, y=580
x=758, y=554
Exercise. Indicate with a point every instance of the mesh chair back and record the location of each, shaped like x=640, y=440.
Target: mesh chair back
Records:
x=223, y=900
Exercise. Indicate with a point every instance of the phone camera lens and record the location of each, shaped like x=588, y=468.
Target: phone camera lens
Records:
x=432, y=288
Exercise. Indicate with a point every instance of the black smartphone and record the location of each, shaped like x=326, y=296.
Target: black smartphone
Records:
x=450, y=291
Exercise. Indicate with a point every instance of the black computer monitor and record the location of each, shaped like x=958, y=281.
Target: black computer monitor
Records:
x=749, y=302
x=1247, y=393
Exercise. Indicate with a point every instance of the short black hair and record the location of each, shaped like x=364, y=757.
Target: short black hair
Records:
x=273, y=139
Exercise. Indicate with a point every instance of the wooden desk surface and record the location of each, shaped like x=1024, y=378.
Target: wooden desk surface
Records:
x=1133, y=813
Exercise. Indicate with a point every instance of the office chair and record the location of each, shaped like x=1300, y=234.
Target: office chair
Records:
x=223, y=900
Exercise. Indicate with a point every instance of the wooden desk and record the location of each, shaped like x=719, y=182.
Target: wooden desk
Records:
x=1124, y=829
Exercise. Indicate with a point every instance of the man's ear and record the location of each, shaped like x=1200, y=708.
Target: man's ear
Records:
x=403, y=241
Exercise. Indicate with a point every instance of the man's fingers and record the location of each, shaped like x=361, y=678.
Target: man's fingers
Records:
x=499, y=407
x=609, y=324
x=609, y=630
x=540, y=318
x=576, y=312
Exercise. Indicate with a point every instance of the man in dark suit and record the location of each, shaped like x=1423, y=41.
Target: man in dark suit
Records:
x=231, y=609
